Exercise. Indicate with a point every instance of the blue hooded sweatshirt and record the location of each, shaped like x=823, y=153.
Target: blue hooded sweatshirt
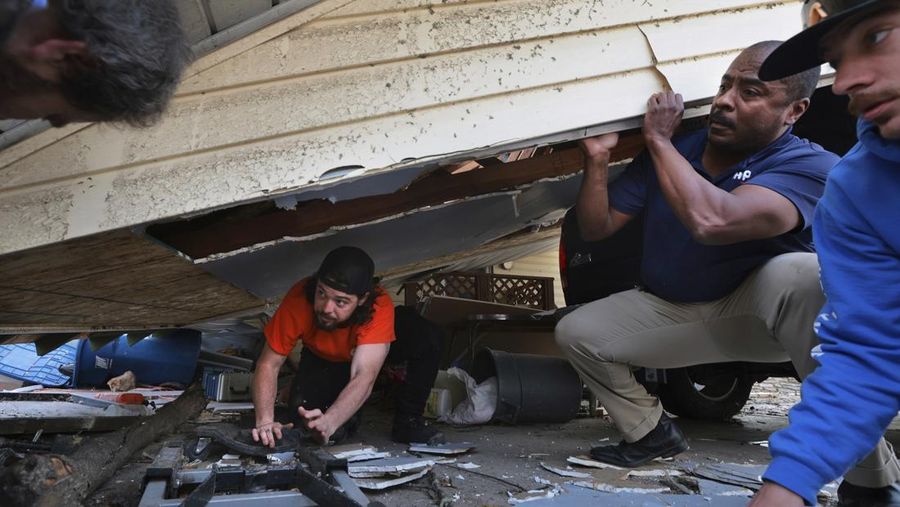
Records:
x=850, y=400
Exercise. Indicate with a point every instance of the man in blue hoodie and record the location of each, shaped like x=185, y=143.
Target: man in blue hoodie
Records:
x=851, y=398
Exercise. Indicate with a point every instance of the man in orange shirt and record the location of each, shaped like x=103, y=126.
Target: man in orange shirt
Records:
x=347, y=324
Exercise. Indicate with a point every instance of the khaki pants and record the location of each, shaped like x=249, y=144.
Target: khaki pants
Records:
x=768, y=318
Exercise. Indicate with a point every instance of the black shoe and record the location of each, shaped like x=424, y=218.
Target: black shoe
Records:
x=663, y=441
x=851, y=495
x=414, y=430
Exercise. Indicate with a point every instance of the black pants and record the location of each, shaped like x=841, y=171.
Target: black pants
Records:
x=419, y=343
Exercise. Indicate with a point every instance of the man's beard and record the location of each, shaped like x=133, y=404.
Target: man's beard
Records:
x=329, y=325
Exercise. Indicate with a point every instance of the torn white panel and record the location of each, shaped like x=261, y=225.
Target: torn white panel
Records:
x=693, y=53
x=712, y=33
x=269, y=270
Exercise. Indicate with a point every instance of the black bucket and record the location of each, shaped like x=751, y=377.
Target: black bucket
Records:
x=530, y=388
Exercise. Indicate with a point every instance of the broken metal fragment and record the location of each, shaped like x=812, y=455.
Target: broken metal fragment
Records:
x=448, y=448
x=592, y=463
x=565, y=473
x=383, y=483
x=389, y=466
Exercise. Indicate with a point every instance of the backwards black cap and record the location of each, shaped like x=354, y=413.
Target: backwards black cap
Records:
x=801, y=51
x=347, y=269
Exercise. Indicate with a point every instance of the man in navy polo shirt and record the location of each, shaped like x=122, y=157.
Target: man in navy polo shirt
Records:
x=728, y=268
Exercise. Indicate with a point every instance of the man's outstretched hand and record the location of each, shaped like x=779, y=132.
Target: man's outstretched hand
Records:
x=319, y=423
x=268, y=433
x=774, y=495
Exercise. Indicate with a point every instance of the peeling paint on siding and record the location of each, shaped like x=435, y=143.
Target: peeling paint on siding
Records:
x=377, y=83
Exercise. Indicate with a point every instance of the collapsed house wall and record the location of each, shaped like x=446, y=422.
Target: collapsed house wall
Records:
x=371, y=85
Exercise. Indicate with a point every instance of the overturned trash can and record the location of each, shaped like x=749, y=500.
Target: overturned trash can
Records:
x=531, y=388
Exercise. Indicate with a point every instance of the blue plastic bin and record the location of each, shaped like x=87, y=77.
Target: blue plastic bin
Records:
x=21, y=362
x=170, y=356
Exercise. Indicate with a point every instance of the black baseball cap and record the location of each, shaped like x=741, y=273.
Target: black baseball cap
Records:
x=347, y=269
x=801, y=51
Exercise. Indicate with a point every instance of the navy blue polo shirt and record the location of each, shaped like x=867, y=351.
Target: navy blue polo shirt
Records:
x=678, y=268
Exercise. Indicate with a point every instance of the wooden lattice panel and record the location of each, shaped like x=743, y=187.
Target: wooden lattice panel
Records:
x=459, y=285
x=518, y=291
x=535, y=292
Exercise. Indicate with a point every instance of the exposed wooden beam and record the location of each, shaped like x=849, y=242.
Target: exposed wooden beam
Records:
x=244, y=226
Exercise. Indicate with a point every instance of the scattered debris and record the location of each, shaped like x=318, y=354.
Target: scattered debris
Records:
x=540, y=480
x=498, y=479
x=468, y=466
x=449, y=448
x=599, y=486
x=565, y=472
x=683, y=483
x=534, y=495
x=534, y=455
x=124, y=382
x=761, y=443
x=652, y=473
x=69, y=480
x=229, y=461
x=357, y=452
x=24, y=389
x=345, y=451
x=229, y=406
x=745, y=476
x=389, y=466
x=586, y=461
x=387, y=482
x=282, y=458
x=55, y=412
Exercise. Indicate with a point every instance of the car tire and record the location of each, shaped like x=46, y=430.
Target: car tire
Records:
x=719, y=399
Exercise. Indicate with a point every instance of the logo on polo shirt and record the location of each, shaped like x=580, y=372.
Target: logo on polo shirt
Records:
x=743, y=175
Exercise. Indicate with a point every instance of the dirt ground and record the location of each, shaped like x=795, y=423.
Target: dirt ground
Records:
x=510, y=457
